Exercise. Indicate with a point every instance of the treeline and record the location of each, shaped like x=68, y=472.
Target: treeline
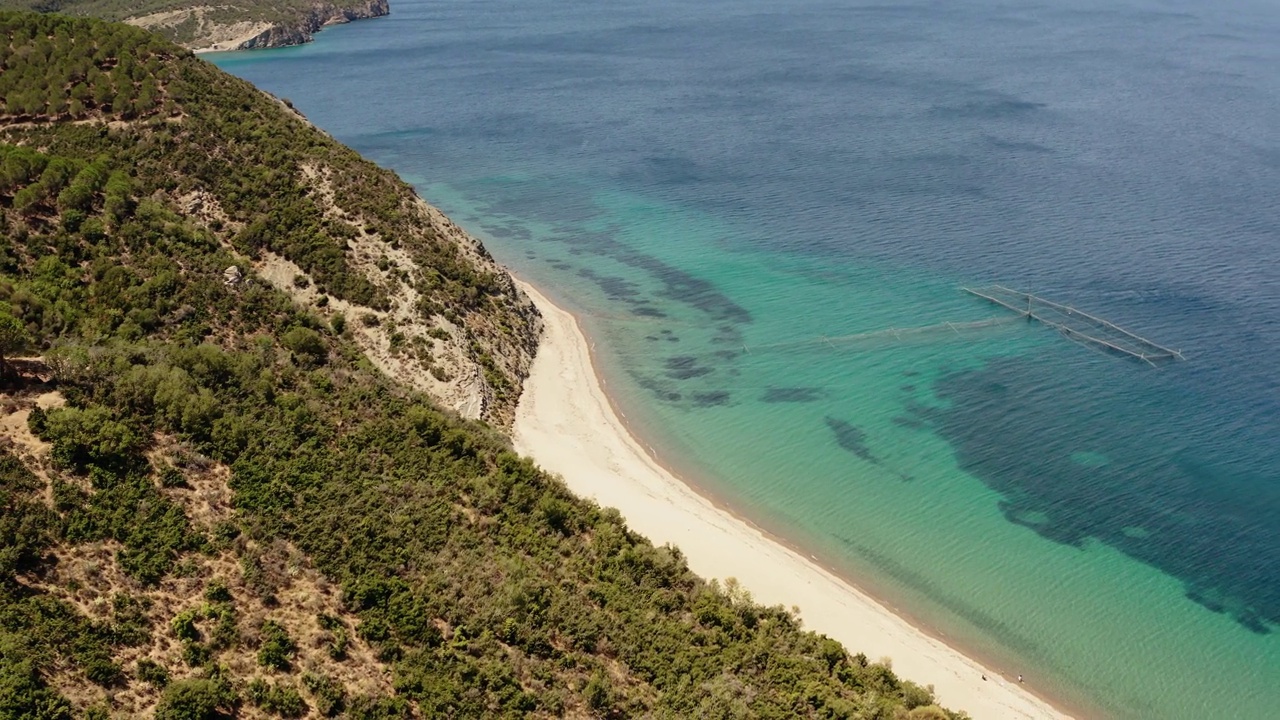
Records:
x=485, y=587
x=67, y=186
x=54, y=69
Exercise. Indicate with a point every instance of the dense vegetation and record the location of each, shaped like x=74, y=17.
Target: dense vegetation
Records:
x=130, y=120
x=484, y=587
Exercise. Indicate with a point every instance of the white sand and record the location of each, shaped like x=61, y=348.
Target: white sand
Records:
x=566, y=424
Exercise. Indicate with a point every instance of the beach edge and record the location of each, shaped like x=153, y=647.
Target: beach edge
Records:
x=567, y=424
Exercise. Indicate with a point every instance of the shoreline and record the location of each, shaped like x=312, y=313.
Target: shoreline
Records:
x=569, y=426
x=299, y=33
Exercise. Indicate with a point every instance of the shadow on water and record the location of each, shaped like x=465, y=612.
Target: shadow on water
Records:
x=1076, y=468
x=850, y=437
x=793, y=394
x=529, y=202
x=685, y=367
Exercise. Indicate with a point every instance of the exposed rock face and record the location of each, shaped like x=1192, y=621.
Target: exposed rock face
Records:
x=472, y=359
x=240, y=27
x=320, y=15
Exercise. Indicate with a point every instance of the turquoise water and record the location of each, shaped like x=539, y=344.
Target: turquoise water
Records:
x=764, y=213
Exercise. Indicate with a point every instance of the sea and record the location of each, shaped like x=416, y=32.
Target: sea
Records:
x=764, y=214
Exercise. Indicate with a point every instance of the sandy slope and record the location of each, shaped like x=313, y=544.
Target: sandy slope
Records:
x=211, y=36
x=565, y=422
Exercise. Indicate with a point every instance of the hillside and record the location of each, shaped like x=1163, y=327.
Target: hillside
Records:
x=227, y=486
x=346, y=238
x=233, y=25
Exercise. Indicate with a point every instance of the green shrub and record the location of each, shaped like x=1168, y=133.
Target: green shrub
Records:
x=226, y=633
x=37, y=421
x=184, y=625
x=914, y=696
x=195, y=699
x=216, y=591
x=152, y=673
x=196, y=654
x=102, y=671
x=306, y=345
x=329, y=695
x=92, y=437
x=338, y=646
x=597, y=692
x=172, y=477
x=225, y=532
x=23, y=693
x=13, y=334
x=277, y=648
x=373, y=707
x=281, y=699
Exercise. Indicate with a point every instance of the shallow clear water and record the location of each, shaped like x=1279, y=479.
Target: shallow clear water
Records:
x=764, y=213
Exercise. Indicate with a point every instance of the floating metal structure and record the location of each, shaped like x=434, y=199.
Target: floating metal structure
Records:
x=1076, y=324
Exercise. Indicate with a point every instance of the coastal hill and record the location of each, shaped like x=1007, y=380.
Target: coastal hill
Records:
x=351, y=241
x=252, y=393
x=234, y=25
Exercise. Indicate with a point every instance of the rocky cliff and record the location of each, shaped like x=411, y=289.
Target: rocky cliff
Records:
x=320, y=15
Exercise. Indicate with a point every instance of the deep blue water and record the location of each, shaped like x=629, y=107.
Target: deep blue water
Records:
x=704, y=178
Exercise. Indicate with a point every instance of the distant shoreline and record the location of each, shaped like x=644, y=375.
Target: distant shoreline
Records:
x=569, y=425
x=267, y=36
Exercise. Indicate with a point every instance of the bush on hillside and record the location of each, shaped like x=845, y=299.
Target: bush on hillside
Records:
x=196, y=699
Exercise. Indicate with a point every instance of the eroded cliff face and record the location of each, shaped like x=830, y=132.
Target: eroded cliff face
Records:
x=320, y=15
x=472, y=357
x=248, y=26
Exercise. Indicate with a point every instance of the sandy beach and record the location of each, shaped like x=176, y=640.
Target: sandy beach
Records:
x=566, y=423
